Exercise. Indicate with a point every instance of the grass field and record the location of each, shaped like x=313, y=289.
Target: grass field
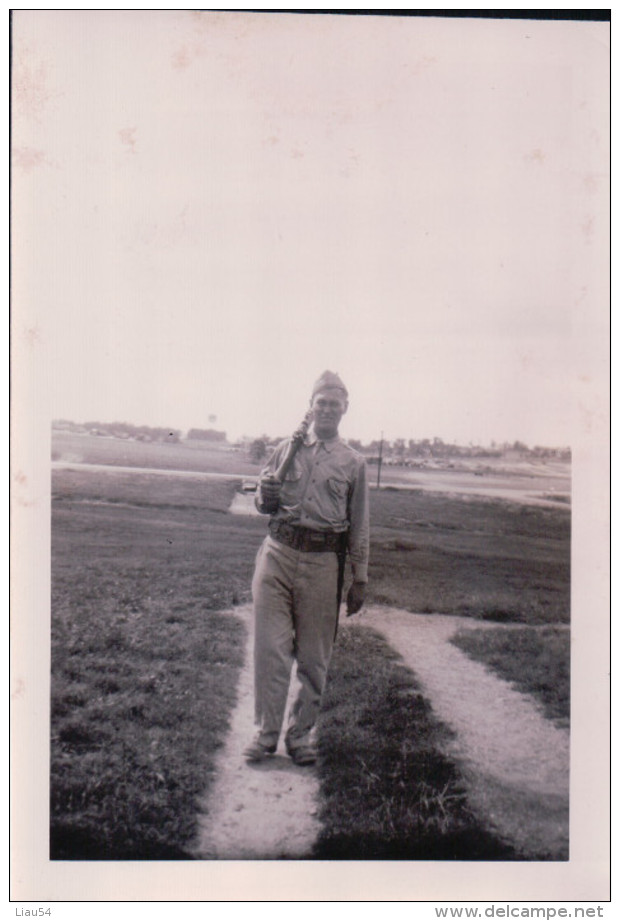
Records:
x=199, y=456
x=490, y=559
x=144, y=662
x=535, y=661
x=388, y=793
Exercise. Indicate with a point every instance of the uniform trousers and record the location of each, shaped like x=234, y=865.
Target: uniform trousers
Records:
x=295, y=617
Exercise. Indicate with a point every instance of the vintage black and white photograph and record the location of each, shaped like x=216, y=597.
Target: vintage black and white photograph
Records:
x=310, y=320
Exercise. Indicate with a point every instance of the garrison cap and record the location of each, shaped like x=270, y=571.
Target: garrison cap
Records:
x=329, y=381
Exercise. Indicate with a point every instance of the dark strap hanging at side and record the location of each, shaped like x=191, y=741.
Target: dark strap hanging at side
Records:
x=342, y=558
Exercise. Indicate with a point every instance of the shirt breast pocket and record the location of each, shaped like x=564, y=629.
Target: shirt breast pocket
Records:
x=290, y=487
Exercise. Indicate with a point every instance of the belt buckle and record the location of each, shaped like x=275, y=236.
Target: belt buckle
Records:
x=289, y=535
x=285, y=532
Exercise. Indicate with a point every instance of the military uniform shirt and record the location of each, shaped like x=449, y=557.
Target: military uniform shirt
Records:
x=326, y=489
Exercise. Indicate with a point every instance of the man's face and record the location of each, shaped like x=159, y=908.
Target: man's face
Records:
x=329, y=407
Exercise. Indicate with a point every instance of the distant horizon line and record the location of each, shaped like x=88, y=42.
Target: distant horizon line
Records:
x=435, y=439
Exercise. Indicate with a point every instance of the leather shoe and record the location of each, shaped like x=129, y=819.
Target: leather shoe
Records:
x=303, y=754
x=258, y=751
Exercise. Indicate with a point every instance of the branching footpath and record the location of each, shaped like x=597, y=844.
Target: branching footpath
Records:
x=513, y=762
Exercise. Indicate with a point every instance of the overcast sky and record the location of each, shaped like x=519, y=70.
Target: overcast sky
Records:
x=210, y=209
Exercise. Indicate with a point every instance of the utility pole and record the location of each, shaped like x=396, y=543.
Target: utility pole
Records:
x=380, y=461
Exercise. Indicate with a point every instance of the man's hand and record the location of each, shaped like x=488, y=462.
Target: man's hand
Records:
x=268, y=496
x=355, y=597
x=270, y=488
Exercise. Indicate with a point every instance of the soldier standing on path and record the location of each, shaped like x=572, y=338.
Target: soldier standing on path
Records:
x=318, y=514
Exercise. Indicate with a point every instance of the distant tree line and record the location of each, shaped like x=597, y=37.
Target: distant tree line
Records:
x=124, y=430
x=399, y=451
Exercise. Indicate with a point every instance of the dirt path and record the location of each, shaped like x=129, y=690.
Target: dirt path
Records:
x=514, y=761
x=262, y=811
